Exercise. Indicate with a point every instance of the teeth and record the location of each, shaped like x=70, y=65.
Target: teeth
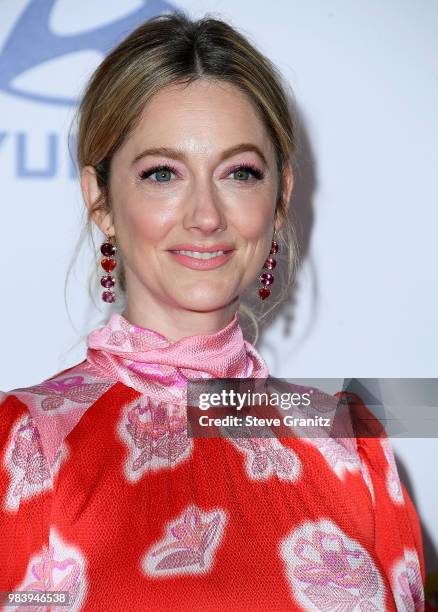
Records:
x=198, y=255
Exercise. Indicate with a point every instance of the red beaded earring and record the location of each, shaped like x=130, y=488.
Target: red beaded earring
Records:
x=267, y=278
x=108, y=264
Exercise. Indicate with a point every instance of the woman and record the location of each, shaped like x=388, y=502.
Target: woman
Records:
x=185, y=142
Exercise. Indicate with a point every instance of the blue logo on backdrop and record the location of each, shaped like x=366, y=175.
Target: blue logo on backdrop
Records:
x=31, y=43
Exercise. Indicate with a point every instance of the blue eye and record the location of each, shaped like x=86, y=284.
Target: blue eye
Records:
x=258, y=174
x=159, y=170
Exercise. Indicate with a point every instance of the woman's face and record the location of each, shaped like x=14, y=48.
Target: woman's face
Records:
x=201, y=135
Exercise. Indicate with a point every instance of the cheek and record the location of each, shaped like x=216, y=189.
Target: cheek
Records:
x=142, y=223
x=252, y=218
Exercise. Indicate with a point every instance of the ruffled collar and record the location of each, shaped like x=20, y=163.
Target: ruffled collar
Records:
x=145, y=360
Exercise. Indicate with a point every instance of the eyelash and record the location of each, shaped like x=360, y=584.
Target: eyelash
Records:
x=257, y=174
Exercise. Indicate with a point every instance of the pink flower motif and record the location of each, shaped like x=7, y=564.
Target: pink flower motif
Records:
x=27, y=454
x=67, y=577
x=43, y=571
x=189, y=532
x=157, y=431
x=404, y=589
x=162, y=374
x=267, y=455
x=416, y=582
x=327, y=570
x=193, y=537
x=140, y=430
x=408, y=583
x=64, y=384
x=158, y=424
x=336, y=564
x=71, y=388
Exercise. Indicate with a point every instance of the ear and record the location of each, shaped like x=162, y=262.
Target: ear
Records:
x=288, y=182
x=90, y=193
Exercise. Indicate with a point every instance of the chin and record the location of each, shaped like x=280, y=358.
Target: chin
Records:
x=200, y=302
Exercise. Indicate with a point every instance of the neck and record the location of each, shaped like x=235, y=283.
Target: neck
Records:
x=175, y=324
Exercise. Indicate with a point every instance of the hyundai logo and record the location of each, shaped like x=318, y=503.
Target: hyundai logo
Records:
x=31, y=43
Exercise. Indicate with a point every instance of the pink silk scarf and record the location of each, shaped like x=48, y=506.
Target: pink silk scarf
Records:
x=145, y=360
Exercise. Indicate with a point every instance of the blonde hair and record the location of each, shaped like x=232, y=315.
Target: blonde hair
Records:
x=173, y=49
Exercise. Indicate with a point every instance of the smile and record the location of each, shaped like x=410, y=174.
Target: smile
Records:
x=199, y=255
x=201, y=261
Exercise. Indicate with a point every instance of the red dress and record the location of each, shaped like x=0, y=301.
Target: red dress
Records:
x=104, y=496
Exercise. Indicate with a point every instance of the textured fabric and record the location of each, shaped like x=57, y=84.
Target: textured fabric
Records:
x=148, y=362
x=103, y=494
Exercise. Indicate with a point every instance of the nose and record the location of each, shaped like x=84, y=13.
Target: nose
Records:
x=205, y=209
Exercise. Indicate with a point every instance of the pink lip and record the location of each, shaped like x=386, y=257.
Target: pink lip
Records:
x=202, y=249
x=202, y=264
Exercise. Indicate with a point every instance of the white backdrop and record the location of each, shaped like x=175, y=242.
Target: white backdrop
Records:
x=365, y=77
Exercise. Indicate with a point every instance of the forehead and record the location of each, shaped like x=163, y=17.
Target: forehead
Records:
x=201, y=94
x=201, y=118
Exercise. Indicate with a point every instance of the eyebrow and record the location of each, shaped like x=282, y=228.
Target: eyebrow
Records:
x=180, y=155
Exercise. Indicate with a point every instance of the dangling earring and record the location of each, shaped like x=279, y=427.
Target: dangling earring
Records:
x=267, y=278
x=108, y=264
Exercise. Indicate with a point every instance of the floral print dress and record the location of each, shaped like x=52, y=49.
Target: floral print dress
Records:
x=104, y=496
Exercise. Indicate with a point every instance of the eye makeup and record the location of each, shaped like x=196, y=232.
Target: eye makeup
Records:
x=251, y=168
x=144, y=174
x=256, y=172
